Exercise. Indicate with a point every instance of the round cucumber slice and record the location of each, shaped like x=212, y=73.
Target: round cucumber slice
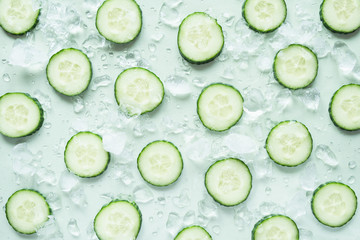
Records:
x=334, y=204
x=160, y=163
x=344, y=107
x=193, y=232
x=69, y=71
x=289, y=143
x=275, y=226
x=120, y=219
x=138, y=91
x=220, y=106
x=295, y=66
x=200, y=38
x=26, y=211
x=340, y=16
x=85, y=155
x=20, y=115
x=264, y=15
x=18, y=16
x=119, y=21
x=228, y=181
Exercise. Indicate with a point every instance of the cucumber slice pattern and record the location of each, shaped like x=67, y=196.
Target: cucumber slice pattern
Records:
x=69, y=71
x=344, y=107
x=119, y=21
x=289, y=143
x=20, y=115
x=26, y=211
x=193, y=232
x=120, y=219
x=18, y=16
x=138, y=91
x=85, y=155
x=220, y=106
x=264, y=15
x=334, y=204
x=295, y=66
x=160, y=163
x=275, y=226
x=340, y=16
x=228, y=181
x=200, y=38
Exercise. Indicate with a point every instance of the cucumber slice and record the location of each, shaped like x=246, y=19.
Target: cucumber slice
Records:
x=160, y=163
x=85, y=155
x=289, y=143
x=334, y=204
x=264, y=15
x=295, y=66
x=220, y=106
x=69, y=71
x=228, y=181
x=26, y=211
x=18, y=16
x=20, y=115
x=119, y=21
x=200, y=38
x=193, y=232
x=275, y=226
x=340, y=16
x=119, y=219
x=344, y=107
x=138, y=91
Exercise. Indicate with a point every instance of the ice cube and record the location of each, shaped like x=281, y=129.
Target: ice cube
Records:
x=183, y=200
x=46, y=176
x=25, y=53
x=114, y=142
x=50, y=230
x=198, y=150
x=178, y=86
x=73, y=228
x=78, y=104
x=242, y=217
x=297, y=205
x=254, y=100
x=169, y=15
x=67, y=181
x=143, y=194
x=54, y=200
x=79, y=124
x=310, y=97
x=189, y=218
x=344, y=57
x=23, y=160
x=264, y=63
x=207, y=208
x=44, y=100
x=325, y=154
x=173, y=223
x=308, y=178
x=77, y=196
x=240, y=144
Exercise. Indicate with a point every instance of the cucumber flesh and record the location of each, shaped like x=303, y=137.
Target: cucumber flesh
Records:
x=289, y=143
x=160, y=163
x=264, y=15
x=200, y=38
x=334, y=204
x=219, y=106
x=69, y=71
x=20, y=115
x=26, y=211
x=137, y=91
x=228, y=181
x=18, y=16
x=340, y=16
x=345, y=107
x=85, y=155
x=119, y=219
x=277, y=227
x=193, y=232
x=119, y=21
x=295, y=66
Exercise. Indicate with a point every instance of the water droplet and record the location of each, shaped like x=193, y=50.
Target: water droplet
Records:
x=268, y=190
x=152, y=47
x=216, y=229
x=6, y=77
x=351, y=180
x=78, y=104
x=324, y=153
x=352, y=164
